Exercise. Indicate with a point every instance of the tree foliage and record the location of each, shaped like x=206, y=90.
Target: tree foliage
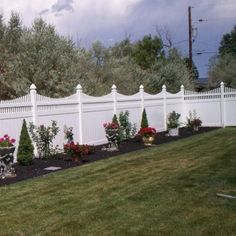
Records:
x=39, y=55
x=223, y=66
x=228, y=44
x=147, y=51
x=144, y=120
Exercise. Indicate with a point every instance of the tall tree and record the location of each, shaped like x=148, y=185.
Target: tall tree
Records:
x=228, y=43
x=13, y=33
x=147, y=51
x=223, y=66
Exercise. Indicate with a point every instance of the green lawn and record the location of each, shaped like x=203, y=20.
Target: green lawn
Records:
x=165, y=190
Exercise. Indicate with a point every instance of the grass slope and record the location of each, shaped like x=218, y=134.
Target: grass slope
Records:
x=166, y=190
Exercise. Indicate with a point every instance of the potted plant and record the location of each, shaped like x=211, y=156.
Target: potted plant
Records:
x=173, y=123
x=7, y=145
x=193, y=121
x=7, y=149
x=76, y=151
x=68, y=134
x=148, y=135
x=112, y=135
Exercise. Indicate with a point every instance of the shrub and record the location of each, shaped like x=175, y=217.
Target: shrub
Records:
x=144, y=121
x=173, y=120
x=43, y=137
x=25, y=149
x=75, y=149
x=193, y=120
x=127, y=129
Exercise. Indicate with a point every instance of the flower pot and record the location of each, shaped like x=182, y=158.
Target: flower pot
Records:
x=174, y=132
x=7, y=150
x=6, y=162
x=148, y=141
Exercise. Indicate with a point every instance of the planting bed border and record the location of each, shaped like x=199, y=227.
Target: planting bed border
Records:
x=38, y=167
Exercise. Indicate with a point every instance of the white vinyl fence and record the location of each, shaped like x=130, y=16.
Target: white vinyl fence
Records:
x=87, y=114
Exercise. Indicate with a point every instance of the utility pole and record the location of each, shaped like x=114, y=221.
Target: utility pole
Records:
x=190, y=37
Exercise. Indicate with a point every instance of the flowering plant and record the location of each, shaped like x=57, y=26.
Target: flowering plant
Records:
x=112, y=134
x=109, y=126
x=76, y=150
x=6, y=141
x=147, y=132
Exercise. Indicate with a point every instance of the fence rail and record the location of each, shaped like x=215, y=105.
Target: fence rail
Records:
x=86, y=114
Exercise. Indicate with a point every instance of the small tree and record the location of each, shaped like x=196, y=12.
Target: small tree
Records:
x=43, y=137
x=25, y=149
x=144, y=121
x=128, y=129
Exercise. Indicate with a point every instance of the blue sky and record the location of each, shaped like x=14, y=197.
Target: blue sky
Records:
x=111, y=20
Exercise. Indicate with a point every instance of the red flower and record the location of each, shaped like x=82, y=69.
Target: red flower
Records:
x=12, y=140
x=73, y=149
x=147, y=131
x=111, y=126
x=6, y=141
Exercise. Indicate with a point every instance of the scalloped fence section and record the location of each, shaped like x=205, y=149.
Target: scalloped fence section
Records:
x=87, y=114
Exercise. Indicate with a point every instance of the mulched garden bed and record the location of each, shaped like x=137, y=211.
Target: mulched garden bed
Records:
x=63, y=161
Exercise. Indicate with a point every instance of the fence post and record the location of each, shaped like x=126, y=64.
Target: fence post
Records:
x=141, y=91
x=222, y=104
x=183, y=104
x=164, y=107
x=33, y=93
x=114, y=96
x=80, y=108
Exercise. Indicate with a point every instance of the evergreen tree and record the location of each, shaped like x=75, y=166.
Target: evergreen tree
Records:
x=144, y=121
x=115, y=120
x=25, y=149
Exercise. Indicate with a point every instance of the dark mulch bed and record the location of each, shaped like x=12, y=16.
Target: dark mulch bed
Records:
x=63, y=161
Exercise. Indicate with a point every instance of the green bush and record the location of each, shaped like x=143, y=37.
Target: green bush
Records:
x=25, y=149
x=43, y=137
x=173, y=120
x=193, y=120
x=144, y=121
x=128, y=129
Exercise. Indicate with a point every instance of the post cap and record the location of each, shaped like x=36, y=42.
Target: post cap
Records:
x=163, y=87
x=141, y=87
x=222, y=83
x=113, y=87
x=78, y=87
x=32, y=87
